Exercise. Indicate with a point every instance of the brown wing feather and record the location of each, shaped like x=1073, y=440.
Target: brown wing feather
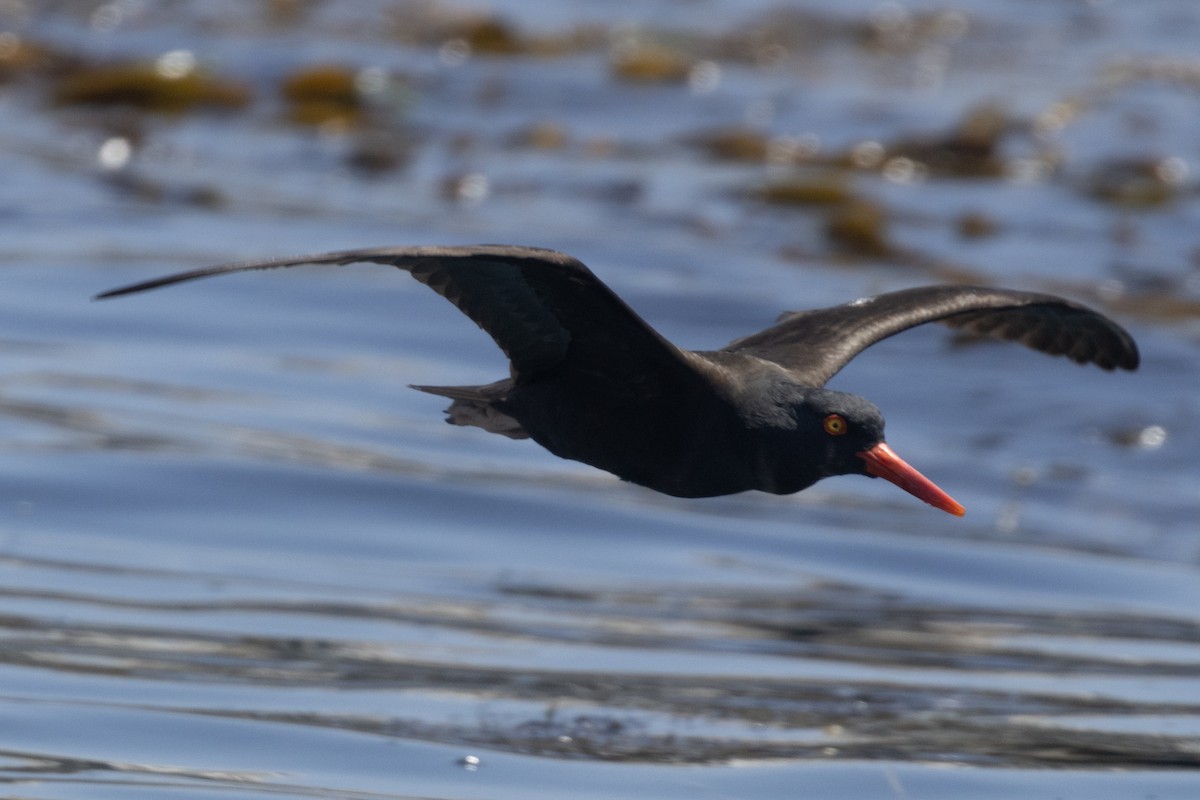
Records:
x=545, y=309
x=1080, y=335
x=816, y=344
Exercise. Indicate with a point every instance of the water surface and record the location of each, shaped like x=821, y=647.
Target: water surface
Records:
x=241, y=559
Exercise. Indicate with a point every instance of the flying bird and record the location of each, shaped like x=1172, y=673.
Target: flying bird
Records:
x=589, y=380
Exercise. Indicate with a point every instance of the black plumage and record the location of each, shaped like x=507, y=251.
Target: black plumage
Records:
x=591, y=381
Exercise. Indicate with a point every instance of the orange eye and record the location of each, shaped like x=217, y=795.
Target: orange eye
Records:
x=835, y=425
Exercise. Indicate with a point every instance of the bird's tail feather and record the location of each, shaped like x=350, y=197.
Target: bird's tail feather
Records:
x=475, y=406
x=458, y=392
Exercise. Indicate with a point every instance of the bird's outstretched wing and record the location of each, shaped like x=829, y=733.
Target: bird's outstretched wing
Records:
x=817, y=344
x=545, y=309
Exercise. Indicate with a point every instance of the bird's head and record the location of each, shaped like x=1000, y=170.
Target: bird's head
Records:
x=836, y=433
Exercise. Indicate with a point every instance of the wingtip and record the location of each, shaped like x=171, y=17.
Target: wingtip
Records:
x=1133, y=359
x=132, y=288
x=1126, y=358
x=153, y=283
x=108, y=294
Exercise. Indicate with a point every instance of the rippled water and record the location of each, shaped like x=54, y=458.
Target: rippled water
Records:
x=240, y=558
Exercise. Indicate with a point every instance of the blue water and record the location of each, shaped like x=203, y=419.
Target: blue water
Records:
x=240, y=558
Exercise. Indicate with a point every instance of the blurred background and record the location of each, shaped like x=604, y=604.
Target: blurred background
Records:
x=240, y=558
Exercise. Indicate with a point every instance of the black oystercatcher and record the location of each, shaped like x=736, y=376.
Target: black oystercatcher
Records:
x=590, y=381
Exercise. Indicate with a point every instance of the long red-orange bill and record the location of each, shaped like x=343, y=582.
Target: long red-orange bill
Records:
x=882, y=462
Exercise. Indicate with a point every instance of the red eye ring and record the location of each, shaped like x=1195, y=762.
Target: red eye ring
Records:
x=835, y=425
